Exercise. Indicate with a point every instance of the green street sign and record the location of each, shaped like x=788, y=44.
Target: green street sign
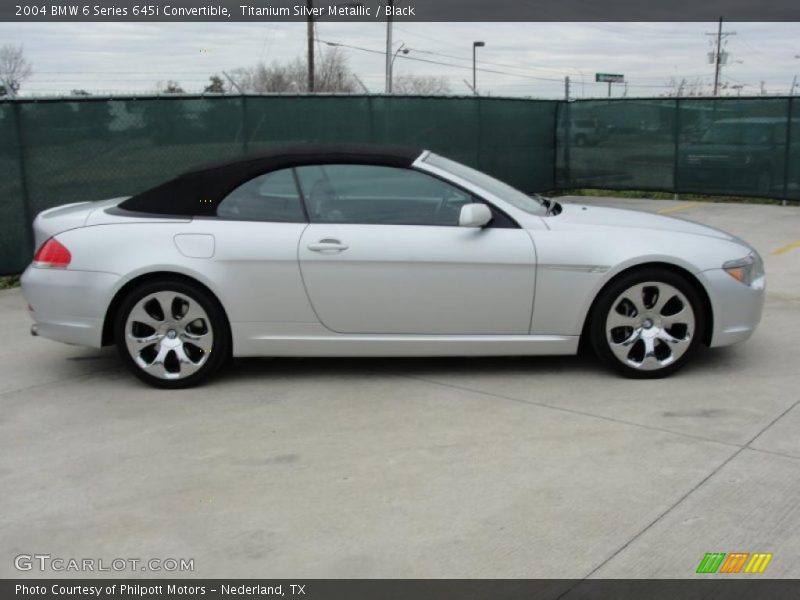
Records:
x=609, y=78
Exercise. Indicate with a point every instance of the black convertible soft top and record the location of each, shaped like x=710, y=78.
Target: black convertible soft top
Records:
x=197, y=192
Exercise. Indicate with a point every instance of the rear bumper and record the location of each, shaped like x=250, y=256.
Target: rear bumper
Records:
x=68, y=306
x=737, y=308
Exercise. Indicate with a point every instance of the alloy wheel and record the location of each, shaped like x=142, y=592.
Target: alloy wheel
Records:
x=650, y=325
x=169, y=335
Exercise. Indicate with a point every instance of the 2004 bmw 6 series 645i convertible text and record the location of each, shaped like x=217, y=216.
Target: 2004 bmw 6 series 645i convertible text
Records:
x=375, y=251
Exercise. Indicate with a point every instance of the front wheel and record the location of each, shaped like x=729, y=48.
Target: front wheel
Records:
x=647, y=324
x=171, y=334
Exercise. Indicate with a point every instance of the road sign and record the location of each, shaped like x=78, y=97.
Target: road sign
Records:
x=609, y=78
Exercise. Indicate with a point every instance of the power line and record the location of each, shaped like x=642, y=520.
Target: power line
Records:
x=436, y=62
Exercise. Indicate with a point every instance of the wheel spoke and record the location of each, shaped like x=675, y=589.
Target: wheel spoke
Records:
x=198, y=339
x=623, y=348
x=616, y=319
x=670, y=339
x=664, y=296
x=166, y=301
x=649, y=347
x=193, y=313
x=187, y=365
x=140, y=315
x=157, y=363
x=681, y=317
x=634, y=295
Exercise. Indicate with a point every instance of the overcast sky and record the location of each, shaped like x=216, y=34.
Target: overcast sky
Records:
x=529, y=59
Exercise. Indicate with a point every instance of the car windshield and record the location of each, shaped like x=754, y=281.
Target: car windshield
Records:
x=490, y=184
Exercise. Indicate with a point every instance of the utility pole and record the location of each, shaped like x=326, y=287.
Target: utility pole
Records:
x=475, y=46
x=566, y=88
x=794, y=85
x=390, y=11
x=718, y=53
x=310, y=34
x=717, y=57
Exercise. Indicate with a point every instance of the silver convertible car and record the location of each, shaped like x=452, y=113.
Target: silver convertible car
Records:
x=373, y=251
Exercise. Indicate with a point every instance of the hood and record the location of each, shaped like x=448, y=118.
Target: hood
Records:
x=582, y=215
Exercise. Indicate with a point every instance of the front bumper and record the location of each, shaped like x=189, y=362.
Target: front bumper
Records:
x=736, y=307
x=67, y=305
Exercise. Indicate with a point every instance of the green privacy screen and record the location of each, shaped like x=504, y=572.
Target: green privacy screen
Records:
x=741, y=147
x=14, y=220
x=70, y=151
x=58, y=151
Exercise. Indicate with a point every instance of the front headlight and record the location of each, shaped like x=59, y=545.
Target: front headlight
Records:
x=748, y=270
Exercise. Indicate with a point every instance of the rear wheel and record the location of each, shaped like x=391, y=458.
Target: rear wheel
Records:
x=171, y=334
x=647, y=324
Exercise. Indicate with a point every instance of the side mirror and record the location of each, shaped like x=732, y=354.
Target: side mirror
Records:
x=474, y=215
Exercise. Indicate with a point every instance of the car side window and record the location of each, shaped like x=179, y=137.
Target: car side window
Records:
x=379, y=195
x=270, y=197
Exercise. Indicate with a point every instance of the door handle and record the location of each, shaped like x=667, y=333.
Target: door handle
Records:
x=328, y=245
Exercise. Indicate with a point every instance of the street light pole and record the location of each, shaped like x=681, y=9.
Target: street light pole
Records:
x=475, y=45
x=404, y=50
x=310, y=36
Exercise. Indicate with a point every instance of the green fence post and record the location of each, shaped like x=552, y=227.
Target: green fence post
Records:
x=786, y=157
x=554, y=172
x=23, y=178
x=567, y=142
x=479, y=137
x=245, y=132
x=676, y=148
x=371, y=111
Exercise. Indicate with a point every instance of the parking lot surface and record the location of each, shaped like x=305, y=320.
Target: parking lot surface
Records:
x=498, y=467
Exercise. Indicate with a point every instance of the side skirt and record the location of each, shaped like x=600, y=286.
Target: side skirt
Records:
x=245, y=343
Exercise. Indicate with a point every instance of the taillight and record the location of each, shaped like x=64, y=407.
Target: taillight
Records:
x=52, y=255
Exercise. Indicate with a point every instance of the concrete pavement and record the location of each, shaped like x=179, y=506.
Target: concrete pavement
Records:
x=502, y=467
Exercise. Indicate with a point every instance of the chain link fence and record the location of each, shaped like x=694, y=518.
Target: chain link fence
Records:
x=69, y=150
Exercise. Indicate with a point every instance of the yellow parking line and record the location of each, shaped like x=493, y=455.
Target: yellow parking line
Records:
x=672, y=209
x=787, y=248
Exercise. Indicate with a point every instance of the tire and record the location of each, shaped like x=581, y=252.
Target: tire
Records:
x=647, y=323
x=161, y=344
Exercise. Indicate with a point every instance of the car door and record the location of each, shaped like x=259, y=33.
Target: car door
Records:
x=256, y=231
x=384, y=254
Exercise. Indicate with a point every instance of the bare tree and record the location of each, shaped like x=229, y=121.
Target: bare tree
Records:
x=694, y=88
x=332, y=75
x=423, y=85
x=215, y=85
x=169, y=87
x=14, y=69
x=275, y=78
